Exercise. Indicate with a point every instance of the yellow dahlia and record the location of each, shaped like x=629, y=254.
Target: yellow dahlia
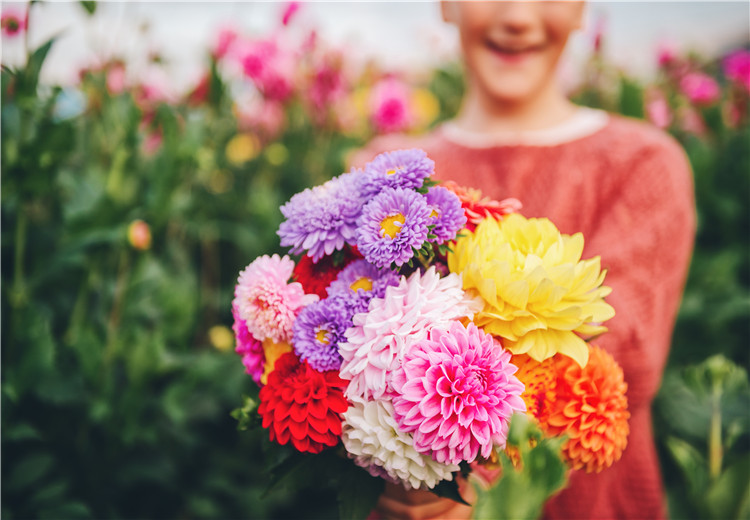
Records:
x=538, y=293
x=591, y=409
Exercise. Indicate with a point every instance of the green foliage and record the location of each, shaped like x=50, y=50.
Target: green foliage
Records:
x=522, y=491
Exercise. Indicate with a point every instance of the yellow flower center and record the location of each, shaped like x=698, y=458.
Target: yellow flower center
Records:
x=391, y=225
x=362, y=283
x=434, y=213
x=322, y=336
x=394, y=171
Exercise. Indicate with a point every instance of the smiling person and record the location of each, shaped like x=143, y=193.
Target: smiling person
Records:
x=624, y=184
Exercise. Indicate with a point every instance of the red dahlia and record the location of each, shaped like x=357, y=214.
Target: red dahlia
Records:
x=315, y=278
x=303, y=406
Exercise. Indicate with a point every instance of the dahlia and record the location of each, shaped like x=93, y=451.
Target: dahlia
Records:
x=393, y=226
x=537, y=291
x=446, y=210
x=362, y=277
x=478, y=208
x=377, y=341
x=455, y=392
x=405, y=169
x=591, y=409
x=322, y=219
x=539, y=386
x=248, y=347
x=272, y=352
x=373, y=439
x=266, y=301
x=303, y=406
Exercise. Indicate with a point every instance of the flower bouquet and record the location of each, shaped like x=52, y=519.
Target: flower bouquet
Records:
x=418, y=322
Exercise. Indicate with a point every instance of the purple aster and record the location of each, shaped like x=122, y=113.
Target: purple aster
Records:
x=392, y=225
x=398, y=169
x=322, y=219
x=447, y=211
x=251, y=350
x=361, y=277
x=321, y=326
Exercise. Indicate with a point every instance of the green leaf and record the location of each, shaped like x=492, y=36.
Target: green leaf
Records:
x=730, y=494
x=29, y=471
x=358, y=492
x=89, y=6
x=34, y=66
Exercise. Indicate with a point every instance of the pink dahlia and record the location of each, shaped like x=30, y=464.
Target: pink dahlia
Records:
x=266, y=301
x=248, y=347
x=737, y=67
x=455, y=392
x=379, y=338
x=700, y=88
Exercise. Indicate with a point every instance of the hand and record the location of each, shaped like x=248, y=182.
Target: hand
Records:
x=396, y=503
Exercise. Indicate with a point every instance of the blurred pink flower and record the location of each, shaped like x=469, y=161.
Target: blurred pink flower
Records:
x=224, y=41
x=152, y=142
x=690, y=121
x=658, y=112
x=700, y=88
x=598, y=36
x=263, y=116
x=199, y=94
x=737, y=67
x=389, y=106
x=270, y=67
x=289, y=11
x=116, y=78
x=666, y=53
x=327, y=84
x=13, y=23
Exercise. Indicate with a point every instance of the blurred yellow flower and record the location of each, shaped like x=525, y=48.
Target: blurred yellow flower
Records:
x=425, y=107
x=277, y=154
x=242, y=148
x=537, y=291
x=221, y=338
x=139, y=235
x=272, y=351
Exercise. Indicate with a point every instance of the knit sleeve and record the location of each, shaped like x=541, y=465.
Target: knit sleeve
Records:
x=645, y=234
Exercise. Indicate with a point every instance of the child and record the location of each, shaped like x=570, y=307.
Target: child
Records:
x=622, y=183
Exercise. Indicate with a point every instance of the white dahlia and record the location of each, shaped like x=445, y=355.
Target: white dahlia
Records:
x=372, y=438
x=378, y=339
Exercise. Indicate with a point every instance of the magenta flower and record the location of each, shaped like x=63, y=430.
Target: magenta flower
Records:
x=737, y=67
x=699, y=88
x=224, y=41
x=12, y=23
x=658, y=112
x=389, y=105
x=455, y=392
x=289, y=11
x=666, y=54
x=251, y=350
x=270, y=67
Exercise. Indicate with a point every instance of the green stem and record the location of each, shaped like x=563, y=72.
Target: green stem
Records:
x=114, y=315
x=19, y=281
x=715, y=449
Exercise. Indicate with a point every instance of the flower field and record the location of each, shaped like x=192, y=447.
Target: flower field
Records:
x=128, y=211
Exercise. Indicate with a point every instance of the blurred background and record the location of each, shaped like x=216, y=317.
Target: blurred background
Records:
x=146, y=149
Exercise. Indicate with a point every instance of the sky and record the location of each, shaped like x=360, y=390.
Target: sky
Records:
x=398, y=35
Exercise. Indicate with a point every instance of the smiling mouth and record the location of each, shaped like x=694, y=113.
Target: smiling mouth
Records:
x=512, y=51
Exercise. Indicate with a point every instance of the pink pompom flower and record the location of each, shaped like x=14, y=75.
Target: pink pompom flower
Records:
x=266, y=301
x=455, y=392
x=389, y=105
x=13, y=23
x=699, y=88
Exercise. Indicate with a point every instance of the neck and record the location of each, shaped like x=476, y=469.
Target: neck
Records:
x=483, y=113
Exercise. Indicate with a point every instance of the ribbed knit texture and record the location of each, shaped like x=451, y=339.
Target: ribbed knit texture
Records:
x=628, y=188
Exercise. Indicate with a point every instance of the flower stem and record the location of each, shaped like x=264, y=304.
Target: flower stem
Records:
x=19, y=281
x=715, y=449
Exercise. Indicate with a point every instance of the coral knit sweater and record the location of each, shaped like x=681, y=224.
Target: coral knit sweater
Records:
x=628, y=188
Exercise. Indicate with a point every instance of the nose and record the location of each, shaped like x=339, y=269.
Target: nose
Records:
x=517, y=16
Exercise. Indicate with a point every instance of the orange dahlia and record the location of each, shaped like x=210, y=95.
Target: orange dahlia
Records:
x=591, y=409
x=539, y=382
